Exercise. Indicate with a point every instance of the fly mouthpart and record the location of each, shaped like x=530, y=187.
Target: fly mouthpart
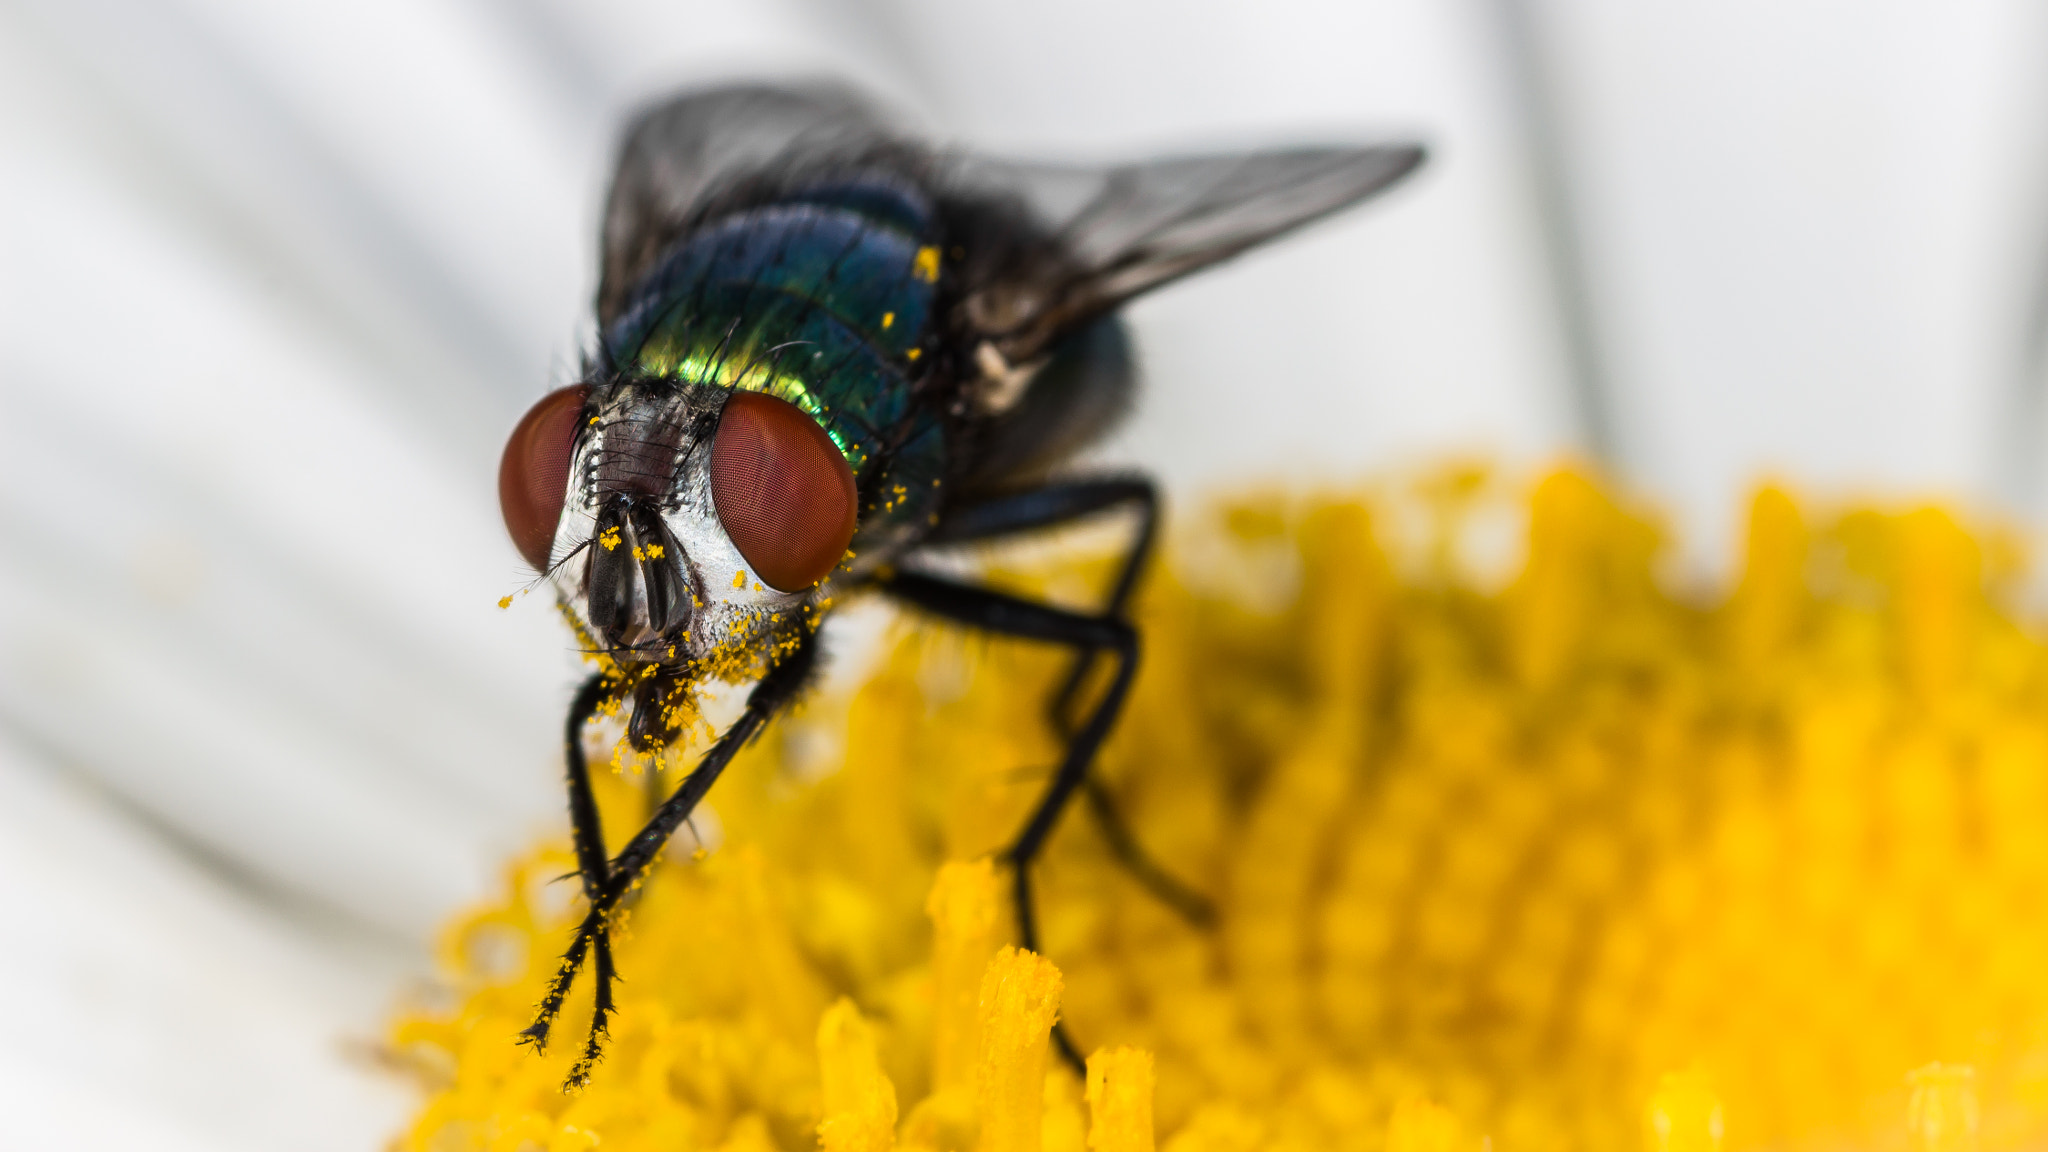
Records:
x=636, y=593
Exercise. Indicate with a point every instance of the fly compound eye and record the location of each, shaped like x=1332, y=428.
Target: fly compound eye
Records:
x=783, y=492
x=533, y=476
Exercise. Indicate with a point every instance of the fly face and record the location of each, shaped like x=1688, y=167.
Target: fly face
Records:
x=684, y=525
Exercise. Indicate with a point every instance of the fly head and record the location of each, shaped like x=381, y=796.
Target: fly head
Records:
x=691, y=529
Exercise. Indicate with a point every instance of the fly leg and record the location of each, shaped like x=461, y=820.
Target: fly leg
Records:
x=587, y=832
x=1049, y=506
x=622, y=872
x=1012, y=616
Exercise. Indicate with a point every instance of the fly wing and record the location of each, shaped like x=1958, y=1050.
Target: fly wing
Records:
x=1102, y=236
x=1128, y=229
x=679, y=152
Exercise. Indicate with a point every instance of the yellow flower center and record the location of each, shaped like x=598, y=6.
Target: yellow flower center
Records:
x=1561, y=860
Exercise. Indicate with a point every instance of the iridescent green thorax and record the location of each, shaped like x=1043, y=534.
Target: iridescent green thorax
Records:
x=823, y=300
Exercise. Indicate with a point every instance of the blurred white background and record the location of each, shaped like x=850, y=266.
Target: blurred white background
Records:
x=276, y=279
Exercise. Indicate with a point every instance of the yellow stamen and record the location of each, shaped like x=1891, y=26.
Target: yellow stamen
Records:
x=1020, y=998
x=859, y=1102
x=1495, y=837
x=963, y=907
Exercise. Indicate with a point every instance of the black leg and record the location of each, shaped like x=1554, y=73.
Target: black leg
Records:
x=1194, y=907
x=587, y=832
x=624, y=871
x=1050, y=506
x=585, y=827
x=600, y=1014
x=1053, y=505
x=1012, y=616
x=1047, y=506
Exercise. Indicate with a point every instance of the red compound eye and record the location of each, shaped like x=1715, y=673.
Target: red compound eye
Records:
x=533, y=477
x=783, y=491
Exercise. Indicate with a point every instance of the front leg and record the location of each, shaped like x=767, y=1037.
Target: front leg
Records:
x=775, y=691
x=586, y=831
x=1011, y=616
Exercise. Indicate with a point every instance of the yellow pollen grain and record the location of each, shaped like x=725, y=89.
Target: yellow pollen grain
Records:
x=504, y=601
x=926, y=267
x=739, y=579
x=888, y=318
x=609, y=539
x=913, y=354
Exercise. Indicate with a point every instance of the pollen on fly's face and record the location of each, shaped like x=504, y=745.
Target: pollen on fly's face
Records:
x=632, y=579
x=665, y=487
x=946, y=326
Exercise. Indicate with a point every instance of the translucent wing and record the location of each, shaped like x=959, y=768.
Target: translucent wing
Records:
x=1128, y=229
x=678, y=153
x=1045, y=309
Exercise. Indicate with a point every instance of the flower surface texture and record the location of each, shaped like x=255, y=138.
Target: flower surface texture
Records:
x=1524, y=853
